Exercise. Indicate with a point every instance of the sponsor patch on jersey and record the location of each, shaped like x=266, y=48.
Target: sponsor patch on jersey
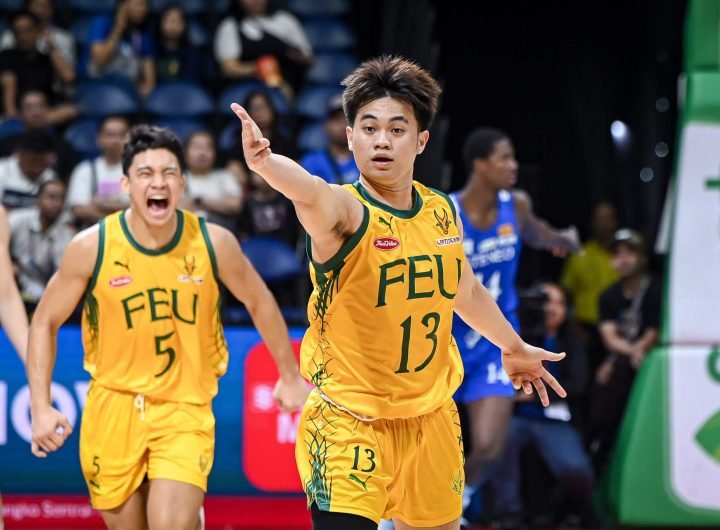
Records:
x=120, y=281
x=386, y=243
x=505, y=229
x=184, y=278
x=447, y=241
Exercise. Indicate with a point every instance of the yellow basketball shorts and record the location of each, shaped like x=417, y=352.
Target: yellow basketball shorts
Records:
x=125, y=437
x=411, y=469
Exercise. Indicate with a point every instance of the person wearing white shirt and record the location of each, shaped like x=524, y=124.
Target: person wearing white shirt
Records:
x=252, y=31
x=212, y=193
x=95, y=184
x=22, y=173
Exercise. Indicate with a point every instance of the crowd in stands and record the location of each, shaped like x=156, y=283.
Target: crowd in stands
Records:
x=76, y=74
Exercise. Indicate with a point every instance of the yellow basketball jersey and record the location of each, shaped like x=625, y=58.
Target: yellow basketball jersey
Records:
x=381, y=311
x=151, y=320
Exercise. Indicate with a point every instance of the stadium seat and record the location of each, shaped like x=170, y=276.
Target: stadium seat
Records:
x=274, y=259
x=93, y=6
x=180, y=99
x=82, y=135
x=239, y=92
x=197, y=33
x=328, y=34
x=81, y=28
x=105, y=96
x=312, y=102
x=312, y=136
x=315, y=8
x=331, y=68
x=189, y=7
x=11, y=6
x=181, y=126
x=10, y=127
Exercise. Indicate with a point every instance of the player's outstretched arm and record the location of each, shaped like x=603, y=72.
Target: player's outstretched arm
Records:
x=50, y=428
x=521, y=361
x=538, y=233
x=12, y=310
x=243, y=281
x=329, y=213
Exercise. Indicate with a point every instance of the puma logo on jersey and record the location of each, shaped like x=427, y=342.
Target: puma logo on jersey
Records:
x=363, y=483
x=125, y=266
x=386, y=223
x=442, y=222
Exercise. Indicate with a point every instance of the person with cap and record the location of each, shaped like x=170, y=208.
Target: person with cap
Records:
x=629, y=324
x=335, y=163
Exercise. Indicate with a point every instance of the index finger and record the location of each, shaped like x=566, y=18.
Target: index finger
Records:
x=550, y=356
x=35, y=449
x=239, y=111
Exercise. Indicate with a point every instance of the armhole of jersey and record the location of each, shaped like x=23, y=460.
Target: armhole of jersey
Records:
x=345, y=249
x=209, y=245
x=451, y=202
x=100, y=254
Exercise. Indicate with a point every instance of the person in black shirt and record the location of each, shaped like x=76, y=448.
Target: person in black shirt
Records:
x=629, y=324
x=25, y=68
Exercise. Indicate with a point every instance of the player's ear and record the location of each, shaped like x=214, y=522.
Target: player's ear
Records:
x=423, y=138
x=125, y=184
x=349, y=134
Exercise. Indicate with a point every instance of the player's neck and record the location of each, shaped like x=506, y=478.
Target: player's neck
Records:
x=631, y=284
x=478, y=197
x=398, y=195
x=148, y=236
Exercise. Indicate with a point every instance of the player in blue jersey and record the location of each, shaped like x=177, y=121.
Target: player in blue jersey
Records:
x=497, y=221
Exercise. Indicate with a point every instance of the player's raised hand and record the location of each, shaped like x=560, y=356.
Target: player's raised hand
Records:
x=50, y=429
x=255, y=146
x=525, y=369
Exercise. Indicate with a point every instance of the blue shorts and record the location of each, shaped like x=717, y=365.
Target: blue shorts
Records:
x=484, y=374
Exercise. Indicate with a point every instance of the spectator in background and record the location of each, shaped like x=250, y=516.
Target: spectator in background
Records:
x=50, y=35
x=262, y=110
x=175, y=57
x=95, y=184
x=212, y=193
x=629, y=324
x=22, y=173
x=266, y=212
x=587, y=274
x=27, y=67
x=35, y=113
x=253, y=35
x=122, y=45
x=549, y=431
x=335, y=163
x=38, y=237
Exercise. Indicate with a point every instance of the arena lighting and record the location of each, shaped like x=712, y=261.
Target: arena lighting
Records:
x=661, y=150
x=662, y=104
x=619, y=131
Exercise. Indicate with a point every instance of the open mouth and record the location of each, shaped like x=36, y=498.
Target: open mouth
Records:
x=382, y=161
x=157, y=206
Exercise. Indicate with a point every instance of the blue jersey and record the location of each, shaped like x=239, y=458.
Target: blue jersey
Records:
x=494, y=255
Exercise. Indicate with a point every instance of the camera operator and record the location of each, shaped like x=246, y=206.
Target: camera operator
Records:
x=548, y=431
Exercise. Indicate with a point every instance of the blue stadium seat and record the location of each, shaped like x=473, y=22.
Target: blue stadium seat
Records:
x=331, y=68
x=81, y=28
x=101, y=97
x=228, y=135
x=11, y=5
x=328, y=34
x=189, y=7
x=82, y=135
x=312, y=102
x=318, y=8
x=197, y=33
x=93, y=6
x=312, y=136
x=181, y=126
x=239, y=92
x=10, y=127
x=273, y=259
x=180, y=99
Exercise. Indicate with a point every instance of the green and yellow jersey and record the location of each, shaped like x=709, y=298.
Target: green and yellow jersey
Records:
x=151, y=320
x=379, y=342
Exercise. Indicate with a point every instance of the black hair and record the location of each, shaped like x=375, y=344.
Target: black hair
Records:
x=111, y=117
x=394, y=77
x=480, y=143
x=200, y=132
x=52, y=180
x=21, y=95
x=27, y=14
x=236, y=11
x=35, y=141
x=144, y=137
x=184, y=37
